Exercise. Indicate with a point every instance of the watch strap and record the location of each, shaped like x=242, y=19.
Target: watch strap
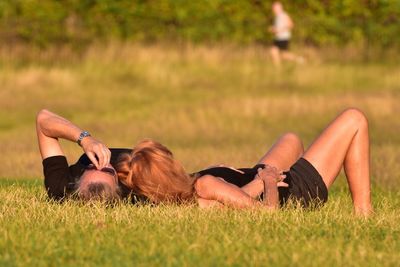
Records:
x=81, y=136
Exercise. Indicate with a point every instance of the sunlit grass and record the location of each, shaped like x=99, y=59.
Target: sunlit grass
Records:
x=37, y=231
x=209, y=105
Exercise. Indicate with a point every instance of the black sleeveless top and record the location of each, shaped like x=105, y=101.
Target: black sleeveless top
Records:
x=232, y=176
x=244, y=177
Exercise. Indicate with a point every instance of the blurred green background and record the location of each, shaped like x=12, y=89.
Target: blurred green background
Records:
x=79, y=22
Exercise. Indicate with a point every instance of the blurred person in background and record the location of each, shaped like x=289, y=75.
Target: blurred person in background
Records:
x=281, y=29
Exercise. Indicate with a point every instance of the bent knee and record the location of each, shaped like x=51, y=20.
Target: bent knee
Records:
x=356, y=116
x=295, y=140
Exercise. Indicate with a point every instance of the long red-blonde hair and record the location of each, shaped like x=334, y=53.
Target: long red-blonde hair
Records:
x=151, y=170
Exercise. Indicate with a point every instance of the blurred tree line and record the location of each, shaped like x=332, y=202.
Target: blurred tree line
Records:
x=79, y=22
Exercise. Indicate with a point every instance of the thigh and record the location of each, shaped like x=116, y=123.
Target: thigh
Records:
x=275, y=44
x=328, y=151
x=284, y=153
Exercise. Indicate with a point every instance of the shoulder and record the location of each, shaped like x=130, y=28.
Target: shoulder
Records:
x=57, y=176
x=58, y=160
x=205, y=184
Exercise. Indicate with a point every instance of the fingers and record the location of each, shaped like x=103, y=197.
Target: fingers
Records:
x=270, y=172
x=99, y=152
x=93, y=149
x=103, y=154
x=282, y=184
x=100, y=156
x=271, y=168
x=281, y=177
x=93, y=159
x=108, y=155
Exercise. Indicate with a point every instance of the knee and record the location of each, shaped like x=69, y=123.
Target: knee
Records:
x=295, y=141
x=356, y=116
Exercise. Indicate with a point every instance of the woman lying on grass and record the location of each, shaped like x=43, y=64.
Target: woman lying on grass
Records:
x=150, y=170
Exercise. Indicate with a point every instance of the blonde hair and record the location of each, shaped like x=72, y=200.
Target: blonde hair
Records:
x=152, y=171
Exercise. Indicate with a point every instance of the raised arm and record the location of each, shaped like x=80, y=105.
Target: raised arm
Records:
x=50, y=127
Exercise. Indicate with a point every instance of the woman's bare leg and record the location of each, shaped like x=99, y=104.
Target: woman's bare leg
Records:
x=275, y=55
x=283, y=154
x=345, y=142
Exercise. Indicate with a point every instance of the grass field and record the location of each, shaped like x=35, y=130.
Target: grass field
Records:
x=209, y=105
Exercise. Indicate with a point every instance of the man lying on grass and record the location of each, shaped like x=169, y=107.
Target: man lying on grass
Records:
x=150, y=170
x=92, y=177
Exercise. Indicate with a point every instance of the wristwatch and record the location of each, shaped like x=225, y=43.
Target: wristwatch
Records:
x=81, y=136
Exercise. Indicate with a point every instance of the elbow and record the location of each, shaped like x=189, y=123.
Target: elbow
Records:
x=202, y=186
x=42, y=115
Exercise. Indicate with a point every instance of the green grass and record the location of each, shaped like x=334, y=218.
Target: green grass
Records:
x=209, y=105
x=38, y=232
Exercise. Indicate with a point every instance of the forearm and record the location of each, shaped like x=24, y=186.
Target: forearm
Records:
x=212, y=188
x=271, y=195
x=254, y=188
x=239, y=200
x=54, y=126
x=50, y=127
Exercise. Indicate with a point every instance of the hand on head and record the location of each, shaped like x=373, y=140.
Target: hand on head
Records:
x=97, y=152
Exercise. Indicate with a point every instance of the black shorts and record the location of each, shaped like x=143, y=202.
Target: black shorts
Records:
x=282, y=44
x=305, y=185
